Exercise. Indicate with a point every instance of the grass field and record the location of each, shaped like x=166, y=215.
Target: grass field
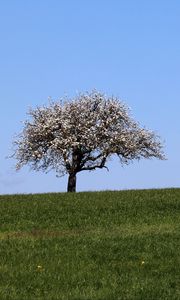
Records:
x=91, y=246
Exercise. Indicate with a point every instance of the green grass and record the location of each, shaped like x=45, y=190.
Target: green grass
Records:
x=92, y=246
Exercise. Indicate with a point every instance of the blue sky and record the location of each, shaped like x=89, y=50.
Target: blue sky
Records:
x=127, y=48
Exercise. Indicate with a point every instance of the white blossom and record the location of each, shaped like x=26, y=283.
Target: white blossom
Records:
x=70, y=136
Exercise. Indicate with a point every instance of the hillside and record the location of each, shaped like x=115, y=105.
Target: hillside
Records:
x=92, y=246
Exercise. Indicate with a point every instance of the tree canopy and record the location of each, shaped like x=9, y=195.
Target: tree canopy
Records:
x=74, y=135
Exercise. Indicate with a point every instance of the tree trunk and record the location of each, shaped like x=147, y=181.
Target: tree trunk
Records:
x=71, y=183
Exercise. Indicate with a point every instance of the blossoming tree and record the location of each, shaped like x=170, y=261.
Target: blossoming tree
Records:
x=71, y=136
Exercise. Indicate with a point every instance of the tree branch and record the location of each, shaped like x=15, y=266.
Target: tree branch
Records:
x=100, y=166
x=91, y=158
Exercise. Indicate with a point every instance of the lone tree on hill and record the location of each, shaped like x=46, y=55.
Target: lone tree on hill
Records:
x=81, y=134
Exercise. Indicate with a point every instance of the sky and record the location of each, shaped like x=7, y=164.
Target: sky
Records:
x=126, y=48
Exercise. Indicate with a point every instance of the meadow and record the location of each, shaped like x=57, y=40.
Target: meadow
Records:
x=111, y=245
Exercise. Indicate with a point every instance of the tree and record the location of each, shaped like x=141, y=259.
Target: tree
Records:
x=81, y=134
